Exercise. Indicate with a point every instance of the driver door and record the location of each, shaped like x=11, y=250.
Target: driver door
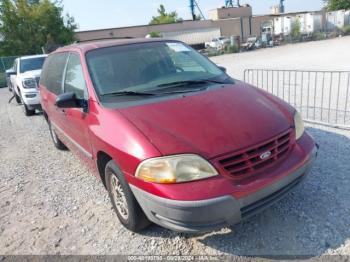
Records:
x=76, y=123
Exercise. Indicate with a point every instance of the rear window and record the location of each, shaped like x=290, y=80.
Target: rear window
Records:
x=31, y=64
x=52, y=74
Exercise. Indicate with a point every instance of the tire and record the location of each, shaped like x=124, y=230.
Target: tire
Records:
x=56, y=141
x=128, y=209
x=27, y=111
x=18, y=99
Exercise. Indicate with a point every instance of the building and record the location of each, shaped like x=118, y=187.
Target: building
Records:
x=230, y=12
x=337, y=19
x=233, y=21
x=192, y=32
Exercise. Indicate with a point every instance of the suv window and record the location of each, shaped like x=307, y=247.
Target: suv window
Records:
x=74, y=80
x=52, y=75
x=32, y=64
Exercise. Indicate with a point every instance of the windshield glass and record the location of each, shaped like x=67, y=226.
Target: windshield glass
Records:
x=148, y=67
x=32, y=64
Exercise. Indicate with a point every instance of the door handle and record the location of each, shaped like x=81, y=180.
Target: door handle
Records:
x=64, y=112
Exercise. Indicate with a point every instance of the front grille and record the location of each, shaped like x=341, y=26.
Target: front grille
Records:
x=249, y=162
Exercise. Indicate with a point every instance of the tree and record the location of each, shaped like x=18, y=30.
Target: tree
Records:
x=296, y=30
x=334, y=5
x=27, y=26
x=164, y=17
x=155, y=34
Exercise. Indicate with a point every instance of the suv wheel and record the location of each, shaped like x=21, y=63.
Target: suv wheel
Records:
x=27, y=111
x=18, y=99
x=124, y=203
x=56, y=141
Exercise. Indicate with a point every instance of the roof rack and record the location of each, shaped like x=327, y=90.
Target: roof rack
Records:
x=103, y=38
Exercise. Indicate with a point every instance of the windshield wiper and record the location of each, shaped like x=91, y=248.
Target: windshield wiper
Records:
x=129, y=93
x=189, y=82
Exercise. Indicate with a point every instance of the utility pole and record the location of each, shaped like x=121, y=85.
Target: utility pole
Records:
x=282, y=6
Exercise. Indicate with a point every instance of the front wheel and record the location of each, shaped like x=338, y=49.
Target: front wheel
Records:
x=124, y=203
x=18, y=99
x=56, y=141
x=27, y=111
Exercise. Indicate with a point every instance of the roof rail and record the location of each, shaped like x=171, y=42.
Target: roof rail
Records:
x=103, y=38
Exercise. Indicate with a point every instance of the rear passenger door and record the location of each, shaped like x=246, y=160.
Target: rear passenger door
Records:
x=76, y=119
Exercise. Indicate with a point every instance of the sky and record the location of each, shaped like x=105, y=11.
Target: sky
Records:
x=91, y=15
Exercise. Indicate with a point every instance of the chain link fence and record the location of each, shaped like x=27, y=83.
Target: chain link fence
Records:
x=5, y=63
x=321, y=97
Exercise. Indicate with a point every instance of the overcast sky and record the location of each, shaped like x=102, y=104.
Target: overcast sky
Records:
x=116, y=13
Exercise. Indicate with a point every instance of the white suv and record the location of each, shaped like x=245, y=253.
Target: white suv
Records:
x=24, y=81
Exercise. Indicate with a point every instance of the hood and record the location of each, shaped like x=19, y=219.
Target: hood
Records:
x=31, y=74
x=211, y=123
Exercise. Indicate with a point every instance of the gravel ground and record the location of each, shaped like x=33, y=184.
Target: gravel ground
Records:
x=51, y=204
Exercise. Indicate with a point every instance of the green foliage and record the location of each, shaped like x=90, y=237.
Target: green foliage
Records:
x=334, y=5
x=155, y=34
x=346, y=30
x=27, y=26
x=318, y=36
x=228, y=49
x=164, y=17
x=296, y=31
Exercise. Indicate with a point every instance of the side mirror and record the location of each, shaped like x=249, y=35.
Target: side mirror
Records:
x=223, y=69
x=10, y=72
x=69, y=100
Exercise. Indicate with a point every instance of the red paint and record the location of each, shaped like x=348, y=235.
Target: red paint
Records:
x=212, y=124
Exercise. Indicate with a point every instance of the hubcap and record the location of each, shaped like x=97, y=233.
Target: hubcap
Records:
x=119, y=197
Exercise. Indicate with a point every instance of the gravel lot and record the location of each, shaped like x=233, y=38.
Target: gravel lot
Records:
x=51, y=204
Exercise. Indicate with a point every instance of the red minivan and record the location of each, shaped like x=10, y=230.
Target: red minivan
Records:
x=174, y=139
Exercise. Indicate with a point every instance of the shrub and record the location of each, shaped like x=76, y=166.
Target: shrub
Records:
x=346, y=30
x=318, y=36
x=229, y=49
x=296, y=31
x=155, y=34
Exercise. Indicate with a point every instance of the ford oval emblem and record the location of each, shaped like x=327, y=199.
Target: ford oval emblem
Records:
x=265, y=155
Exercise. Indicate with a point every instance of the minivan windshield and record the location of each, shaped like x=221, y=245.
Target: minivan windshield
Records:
x=150, y=68
x=31, y=64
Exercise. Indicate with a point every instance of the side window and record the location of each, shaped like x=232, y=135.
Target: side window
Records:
x=52, y=75
x=74, y=80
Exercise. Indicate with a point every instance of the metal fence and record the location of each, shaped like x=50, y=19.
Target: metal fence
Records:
x=5, y=63
x=320, y=96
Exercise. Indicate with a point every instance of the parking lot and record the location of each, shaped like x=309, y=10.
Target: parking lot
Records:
x=51, y=204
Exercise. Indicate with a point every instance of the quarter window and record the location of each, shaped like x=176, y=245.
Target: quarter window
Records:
x=74, y=81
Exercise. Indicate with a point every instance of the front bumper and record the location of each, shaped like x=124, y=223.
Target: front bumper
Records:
x=206, y=215
x=31, y=98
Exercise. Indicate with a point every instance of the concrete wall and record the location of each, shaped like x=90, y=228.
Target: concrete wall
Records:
x=142, y=31
x=228, y=27
x=244, y=27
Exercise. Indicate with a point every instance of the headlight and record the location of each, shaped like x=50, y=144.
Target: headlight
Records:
x=175, y=169
x=29, y=83
x=299, y=125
